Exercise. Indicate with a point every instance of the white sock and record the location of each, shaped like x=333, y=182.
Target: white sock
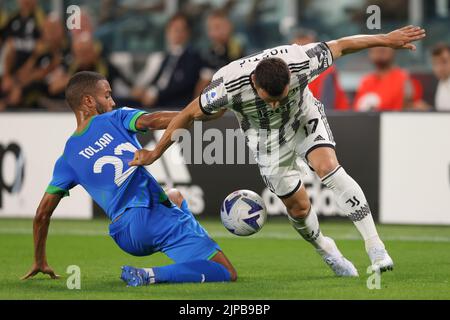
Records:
x=309, y=229
x=151, y=273
x=350, y=198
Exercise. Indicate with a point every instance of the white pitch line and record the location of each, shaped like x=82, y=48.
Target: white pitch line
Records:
x=225, y=234
x=280, y=235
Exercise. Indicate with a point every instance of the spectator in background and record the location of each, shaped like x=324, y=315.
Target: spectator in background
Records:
x=326, y=87
x=3, y=21
x=169, y=78
x=20, y=35
x=86, y=25
x=302, y=36
x=111, y=10
x=198, y=9
x=30, y=79
x=86, y=57
x=441, y=68
x=223, y=48
x=389, y=87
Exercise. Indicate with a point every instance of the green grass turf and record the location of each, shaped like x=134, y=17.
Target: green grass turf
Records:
x=273, y=264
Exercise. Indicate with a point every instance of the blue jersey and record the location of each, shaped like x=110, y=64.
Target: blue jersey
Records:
x=97, y=159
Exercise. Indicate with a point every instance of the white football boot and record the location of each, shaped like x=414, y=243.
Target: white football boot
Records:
x=336, y=261
x=381, y=261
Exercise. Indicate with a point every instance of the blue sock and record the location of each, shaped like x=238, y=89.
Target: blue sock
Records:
x=193, y=271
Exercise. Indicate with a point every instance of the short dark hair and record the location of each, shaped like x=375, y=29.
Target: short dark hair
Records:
x=272, y=75
x=218, y=13
x=440, y=48
x=180, y=16
x=81, y=84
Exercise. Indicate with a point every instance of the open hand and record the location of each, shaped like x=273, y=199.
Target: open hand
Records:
x=44, y=268
x=402, y=38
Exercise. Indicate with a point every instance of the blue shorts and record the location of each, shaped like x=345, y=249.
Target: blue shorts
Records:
x=162, y=228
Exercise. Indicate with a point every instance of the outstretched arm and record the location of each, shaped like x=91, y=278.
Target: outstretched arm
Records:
x=41, y=223
x=182, y=120
x=397, y=39
x=155, y=120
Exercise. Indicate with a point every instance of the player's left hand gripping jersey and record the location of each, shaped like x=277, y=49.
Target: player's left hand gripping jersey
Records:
x=97, y=159
x=231, y=88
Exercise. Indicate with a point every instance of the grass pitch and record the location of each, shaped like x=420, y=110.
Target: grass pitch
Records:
x=273, y=264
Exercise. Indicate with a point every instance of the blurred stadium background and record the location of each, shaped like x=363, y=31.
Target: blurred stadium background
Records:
x=126, y=33
x=389, y=113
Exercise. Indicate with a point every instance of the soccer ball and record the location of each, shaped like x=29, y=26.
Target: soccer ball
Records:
x=243, y=212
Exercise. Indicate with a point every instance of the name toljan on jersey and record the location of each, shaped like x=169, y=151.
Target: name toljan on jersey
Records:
x=98, y=146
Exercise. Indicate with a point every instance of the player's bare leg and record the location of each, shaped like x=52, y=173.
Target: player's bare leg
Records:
x=350, y=198
x=221, y=258
x=304, y=220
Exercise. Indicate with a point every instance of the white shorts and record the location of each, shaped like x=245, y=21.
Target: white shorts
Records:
x=282, y=173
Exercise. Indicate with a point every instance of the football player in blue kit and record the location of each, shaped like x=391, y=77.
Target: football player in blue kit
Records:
x=144, y=218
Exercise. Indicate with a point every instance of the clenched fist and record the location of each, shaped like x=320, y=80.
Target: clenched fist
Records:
x=144, y=157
